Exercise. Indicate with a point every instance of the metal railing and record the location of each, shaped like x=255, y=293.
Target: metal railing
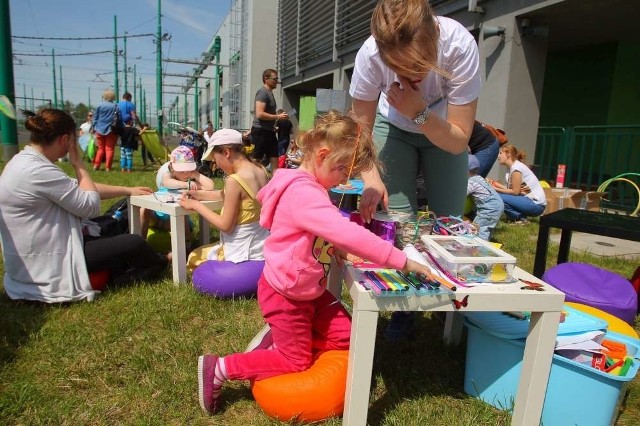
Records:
x=592, y=154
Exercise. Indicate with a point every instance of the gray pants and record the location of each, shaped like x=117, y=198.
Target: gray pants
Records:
x=402, y=153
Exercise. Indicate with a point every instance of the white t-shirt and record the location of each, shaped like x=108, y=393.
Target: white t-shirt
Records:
x=457, y=55
x=528, y=177
x=85, y=127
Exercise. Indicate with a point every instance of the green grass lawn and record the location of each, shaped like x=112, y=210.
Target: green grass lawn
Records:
x=130, y=357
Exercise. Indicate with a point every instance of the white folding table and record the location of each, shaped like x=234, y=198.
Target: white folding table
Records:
x=177, y=219
x=545, y=307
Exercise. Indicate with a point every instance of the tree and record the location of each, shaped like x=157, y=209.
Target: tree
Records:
x=79, y=112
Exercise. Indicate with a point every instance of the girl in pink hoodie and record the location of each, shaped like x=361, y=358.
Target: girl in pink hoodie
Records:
x=306, y=229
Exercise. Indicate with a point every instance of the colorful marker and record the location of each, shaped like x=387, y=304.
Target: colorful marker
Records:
x=390, y=276
x=381, y=284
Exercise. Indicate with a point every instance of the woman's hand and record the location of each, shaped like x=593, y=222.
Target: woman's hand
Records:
x=373, y=194
x=75, y=153
x=406, y=98
x=140, y=190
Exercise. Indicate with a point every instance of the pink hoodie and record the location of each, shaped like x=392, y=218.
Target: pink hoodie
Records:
x=304, y=224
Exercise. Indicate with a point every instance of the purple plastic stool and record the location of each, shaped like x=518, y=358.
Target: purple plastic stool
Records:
x=596, y=287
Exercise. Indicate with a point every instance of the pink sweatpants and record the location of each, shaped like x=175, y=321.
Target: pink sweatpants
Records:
x=299, y=329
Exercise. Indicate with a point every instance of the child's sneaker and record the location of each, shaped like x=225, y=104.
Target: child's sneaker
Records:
x=206, y=388
x=262, y=340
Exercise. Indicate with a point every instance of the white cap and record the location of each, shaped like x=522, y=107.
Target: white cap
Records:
x=222, y=137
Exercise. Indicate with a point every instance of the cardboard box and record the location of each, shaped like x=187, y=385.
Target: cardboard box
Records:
x=562, y=198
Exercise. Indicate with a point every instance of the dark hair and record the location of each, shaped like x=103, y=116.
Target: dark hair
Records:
x=126, y=96
x=267, y=73
x=48, y=124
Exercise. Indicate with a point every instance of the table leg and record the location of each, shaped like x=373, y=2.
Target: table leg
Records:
x=565, y=245
x=453, y=325
x=134, y=219
x=536, y=366
x=540, y=262
x=178, y=249
x=204, y=231
x=363, y=342
x=334, y=280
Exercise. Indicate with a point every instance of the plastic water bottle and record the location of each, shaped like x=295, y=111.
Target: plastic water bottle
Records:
x=117, y=215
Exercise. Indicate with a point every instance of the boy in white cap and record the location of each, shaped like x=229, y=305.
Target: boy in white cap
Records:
x=489, y=205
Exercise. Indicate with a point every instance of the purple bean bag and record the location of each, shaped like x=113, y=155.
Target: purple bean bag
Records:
x=596, y=287
x=226, y=280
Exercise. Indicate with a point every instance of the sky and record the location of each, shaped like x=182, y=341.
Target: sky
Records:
x=190, y=23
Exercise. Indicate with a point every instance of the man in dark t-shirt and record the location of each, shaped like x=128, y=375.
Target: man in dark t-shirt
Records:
x=283, y=129
x=262, y=130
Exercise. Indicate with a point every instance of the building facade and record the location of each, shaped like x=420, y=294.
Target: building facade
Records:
x=247, y=46
x=542, y=61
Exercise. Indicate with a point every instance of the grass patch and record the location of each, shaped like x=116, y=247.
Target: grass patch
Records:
x=130, y=357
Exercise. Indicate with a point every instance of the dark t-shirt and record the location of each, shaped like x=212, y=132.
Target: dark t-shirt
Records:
x=284, y=129
x=265, y=96
x=129, y=137
x=480, y=138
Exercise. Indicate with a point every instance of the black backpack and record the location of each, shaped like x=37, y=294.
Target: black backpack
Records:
x=115, y=221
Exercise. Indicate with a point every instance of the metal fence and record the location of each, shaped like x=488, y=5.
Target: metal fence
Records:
x=593, y=155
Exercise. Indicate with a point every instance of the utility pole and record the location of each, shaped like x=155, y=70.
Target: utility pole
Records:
x=115, y=56
x=159, y=68
x=216, y=50
x=141, y=102
x=32, y=105
x=89, y=97
x=196, y=106
x=135, y=92
x=126, y=71
x=8, y=126
x=24, y=96
x=55, y=89
x=61, y=91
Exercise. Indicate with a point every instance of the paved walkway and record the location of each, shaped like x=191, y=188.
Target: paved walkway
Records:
x=601, y=246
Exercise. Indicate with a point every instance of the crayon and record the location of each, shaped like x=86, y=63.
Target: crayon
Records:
x=370, y=287
x=628, y=362
x=439, y=280
x=395, y=279
x=385, y=280
x=382, y=285
x=415, y=284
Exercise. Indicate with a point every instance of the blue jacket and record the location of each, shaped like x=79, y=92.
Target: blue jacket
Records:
x=103, y=117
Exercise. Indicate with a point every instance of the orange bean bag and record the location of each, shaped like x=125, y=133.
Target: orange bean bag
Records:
x=308, y=396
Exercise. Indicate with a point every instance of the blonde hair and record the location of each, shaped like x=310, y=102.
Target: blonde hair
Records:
x=407, y=37
x=344, y=137
x=109, y=95
x=513, y=152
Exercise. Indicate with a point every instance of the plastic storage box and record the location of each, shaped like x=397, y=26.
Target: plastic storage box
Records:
x=471, y=259
x=576, y=394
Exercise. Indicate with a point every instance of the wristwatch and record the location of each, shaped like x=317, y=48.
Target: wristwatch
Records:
x=422, y=117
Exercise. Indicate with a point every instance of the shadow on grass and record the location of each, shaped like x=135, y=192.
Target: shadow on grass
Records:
x=20, y=320
x=421, y=366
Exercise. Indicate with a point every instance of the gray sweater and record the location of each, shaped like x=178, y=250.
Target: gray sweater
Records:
x=41, y=211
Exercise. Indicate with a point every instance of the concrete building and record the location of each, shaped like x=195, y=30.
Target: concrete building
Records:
x=247, y=46
x=543, y=62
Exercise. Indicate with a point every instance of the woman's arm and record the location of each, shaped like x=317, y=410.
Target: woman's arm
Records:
x=451, y=135
x=112, y=191
x=374, y=190
x=516, y=183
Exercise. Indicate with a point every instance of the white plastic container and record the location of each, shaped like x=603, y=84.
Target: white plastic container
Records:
x=471, y=259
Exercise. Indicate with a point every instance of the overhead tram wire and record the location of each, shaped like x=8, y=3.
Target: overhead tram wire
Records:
x=63, y=54
x=84, y=38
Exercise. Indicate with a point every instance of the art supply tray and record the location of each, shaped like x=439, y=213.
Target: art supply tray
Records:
x=470, y=259
x=391, y=283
